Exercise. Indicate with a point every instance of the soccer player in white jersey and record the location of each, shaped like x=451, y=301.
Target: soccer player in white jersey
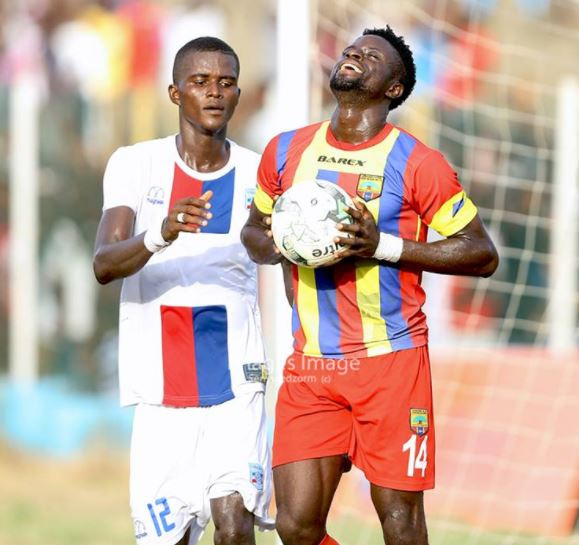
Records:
x=190, y=351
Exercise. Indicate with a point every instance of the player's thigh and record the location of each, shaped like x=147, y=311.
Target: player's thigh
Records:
x=394, y=440
x=239, y=460
x=166, y=474
x=304, y=490
x=312, y=420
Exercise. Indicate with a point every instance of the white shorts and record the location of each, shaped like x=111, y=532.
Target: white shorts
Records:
x=181, y=458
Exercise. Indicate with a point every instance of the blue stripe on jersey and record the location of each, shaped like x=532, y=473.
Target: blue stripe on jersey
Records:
x=457, y=206
x=329, y=320
x=389, y=222
x=328, y=175
x=282, y=149
x=221, y=203
x=295, y=319
x=211, y=355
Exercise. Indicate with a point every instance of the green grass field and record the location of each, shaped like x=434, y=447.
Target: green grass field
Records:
x=85, y=502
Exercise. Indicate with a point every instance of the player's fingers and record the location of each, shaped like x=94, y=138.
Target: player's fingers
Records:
x=269, y=233
x=346, y=241
x=197, y=211
x=206, y=196
x=192, y=219
x=354, y=212
x=266, y=220
x=198, y=202
x=348, y=227
x=191, y=228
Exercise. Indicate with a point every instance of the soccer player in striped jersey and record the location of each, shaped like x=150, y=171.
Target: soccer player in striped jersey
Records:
x=191, y=357
x=357, y=387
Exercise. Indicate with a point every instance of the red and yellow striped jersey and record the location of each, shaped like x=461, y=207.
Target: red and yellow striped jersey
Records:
x=365, y=307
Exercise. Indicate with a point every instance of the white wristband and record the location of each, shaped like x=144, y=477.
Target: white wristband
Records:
x=154, y=241
x=389, y=248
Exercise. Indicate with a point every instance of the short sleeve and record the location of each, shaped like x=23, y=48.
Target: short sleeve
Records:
x=268, y=184
x=439, y=197
x=120, y=181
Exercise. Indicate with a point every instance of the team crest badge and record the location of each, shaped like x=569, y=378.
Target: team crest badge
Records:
x=369, y=186
x=419, y=421
x=249, y=194
x=256, y=476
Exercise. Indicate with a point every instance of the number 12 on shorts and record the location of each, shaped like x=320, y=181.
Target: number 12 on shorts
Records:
x=416, y=461
x=164, y=511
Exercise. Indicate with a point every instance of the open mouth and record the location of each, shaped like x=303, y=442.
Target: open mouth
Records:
x=350, y=67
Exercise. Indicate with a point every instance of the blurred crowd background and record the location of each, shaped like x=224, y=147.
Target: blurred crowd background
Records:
x=487, y=96
x=487, y=75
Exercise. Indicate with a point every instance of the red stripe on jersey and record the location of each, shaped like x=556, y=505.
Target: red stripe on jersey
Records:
x=347, y=308
x=301, y=140
x=411, y=293
x=184, y=186
x=179, y=366
x=348, y=182
x=299, y=336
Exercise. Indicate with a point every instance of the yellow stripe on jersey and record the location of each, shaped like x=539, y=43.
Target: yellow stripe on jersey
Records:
x=373, y=158
x=368, y=298
x=453, y=215
x=418, y=226
x=263, y=201
x=307, y=305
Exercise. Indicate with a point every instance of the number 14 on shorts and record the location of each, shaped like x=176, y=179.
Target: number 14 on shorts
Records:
x=417, y=457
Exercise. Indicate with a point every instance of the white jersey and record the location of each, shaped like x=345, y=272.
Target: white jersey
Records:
x=189, y=325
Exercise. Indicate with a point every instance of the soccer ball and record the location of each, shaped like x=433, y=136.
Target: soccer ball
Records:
x=304, y=221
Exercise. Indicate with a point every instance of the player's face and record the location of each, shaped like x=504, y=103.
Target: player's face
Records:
x=369, y=64
x=207, y=91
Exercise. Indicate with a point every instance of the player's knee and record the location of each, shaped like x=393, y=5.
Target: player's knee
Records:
x=403, y=529
x=294, y=531
x=234, y=534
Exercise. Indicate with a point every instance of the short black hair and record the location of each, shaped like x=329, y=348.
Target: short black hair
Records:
x=407, y=75
x=204, y=43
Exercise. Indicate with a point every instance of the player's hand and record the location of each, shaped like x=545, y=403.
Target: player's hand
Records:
x=364, y=234
x=266, y=221
x=188, y=215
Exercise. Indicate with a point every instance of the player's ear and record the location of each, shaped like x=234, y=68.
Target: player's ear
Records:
x=174, y=95
x=395, y=90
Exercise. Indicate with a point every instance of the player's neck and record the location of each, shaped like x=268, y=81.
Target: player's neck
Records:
x=355, y=125
x=203, y=152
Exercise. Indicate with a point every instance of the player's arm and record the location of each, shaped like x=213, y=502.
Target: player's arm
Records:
x=468, y=252
x=119, y=254
x=257, y=238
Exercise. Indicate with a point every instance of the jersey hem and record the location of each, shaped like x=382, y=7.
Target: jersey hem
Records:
x=397, y=485
x=198, y=401
x=290, y=459
x=417, y=342
x=240, y=389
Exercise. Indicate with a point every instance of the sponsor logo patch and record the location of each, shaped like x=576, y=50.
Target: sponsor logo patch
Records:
x=419, y=421
x=256, y=476
x=369, y=186
x=140, y=530
x=156, y=195
x=255, y=372
x=340, y=161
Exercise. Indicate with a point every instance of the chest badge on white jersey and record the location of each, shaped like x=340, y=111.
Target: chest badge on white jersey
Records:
x=249, y=194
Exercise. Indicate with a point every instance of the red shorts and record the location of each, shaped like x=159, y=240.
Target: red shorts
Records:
x=378, y=410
